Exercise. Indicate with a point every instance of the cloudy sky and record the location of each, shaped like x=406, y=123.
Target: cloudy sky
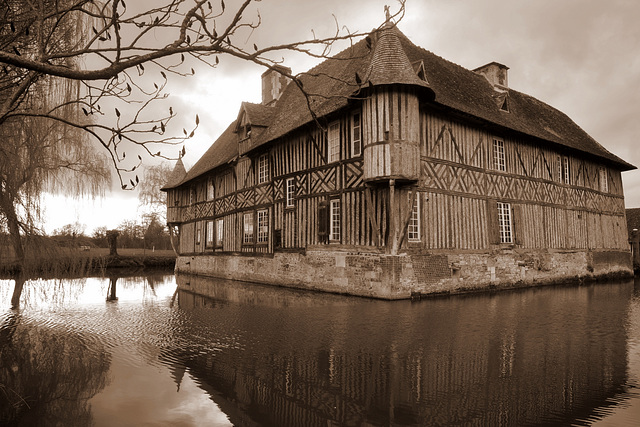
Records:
x=580, y=56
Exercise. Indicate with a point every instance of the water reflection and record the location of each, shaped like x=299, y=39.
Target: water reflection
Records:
x=287, y=358
x=152, y=351
x=46, y=376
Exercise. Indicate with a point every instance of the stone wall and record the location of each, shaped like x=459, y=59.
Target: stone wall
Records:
x=378, y=275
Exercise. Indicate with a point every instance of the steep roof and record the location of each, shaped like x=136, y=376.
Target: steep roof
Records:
x=177, y=175
x=390, y=64
x=224, y=150
x=392, y=59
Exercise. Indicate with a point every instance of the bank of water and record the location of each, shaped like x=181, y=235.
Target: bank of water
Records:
x=161, y=350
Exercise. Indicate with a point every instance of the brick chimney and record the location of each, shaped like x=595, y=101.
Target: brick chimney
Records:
x=273, y=84
x=496, y=74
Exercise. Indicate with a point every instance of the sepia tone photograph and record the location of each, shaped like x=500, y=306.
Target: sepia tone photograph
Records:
x=302, y=213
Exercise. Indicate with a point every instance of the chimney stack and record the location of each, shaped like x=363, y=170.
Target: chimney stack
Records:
x=496, y=74
x=273, y=84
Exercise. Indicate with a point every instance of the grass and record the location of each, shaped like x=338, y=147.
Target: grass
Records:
x=76, y=261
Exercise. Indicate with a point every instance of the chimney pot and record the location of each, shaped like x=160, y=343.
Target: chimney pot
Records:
x=274, y=83
x=496, y=74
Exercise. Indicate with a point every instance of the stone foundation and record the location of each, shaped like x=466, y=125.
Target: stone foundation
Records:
x=377, y=275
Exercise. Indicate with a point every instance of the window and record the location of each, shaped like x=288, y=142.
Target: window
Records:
x=504, y=221
x=356, y=134
x=209, y=235
x=198, y=235
x=499, y=162
x=219, y=232
x=248, y=228
x=334, y=220
x=192, y=195
x=291, y=191
x=263, y=226
x=263, y=168
x=563, y=170
x=604, y=182
x=413, y=229
x=211, y=189
x=333, y=141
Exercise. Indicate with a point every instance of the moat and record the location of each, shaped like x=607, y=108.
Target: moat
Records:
x=167, y=350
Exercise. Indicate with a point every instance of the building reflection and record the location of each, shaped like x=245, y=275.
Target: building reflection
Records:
x=279, y=357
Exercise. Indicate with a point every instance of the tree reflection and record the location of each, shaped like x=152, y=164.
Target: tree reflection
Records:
x=17, y=290
x=111, y=290
x=47, y=375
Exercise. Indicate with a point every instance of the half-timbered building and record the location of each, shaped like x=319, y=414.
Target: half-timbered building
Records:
x=391, y=172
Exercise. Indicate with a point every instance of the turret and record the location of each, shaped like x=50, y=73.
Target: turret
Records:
x=390, y=113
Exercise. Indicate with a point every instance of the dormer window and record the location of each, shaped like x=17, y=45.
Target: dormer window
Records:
x=421, y=72
x=505, y=105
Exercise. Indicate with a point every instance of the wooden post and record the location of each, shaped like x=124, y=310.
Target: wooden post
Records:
x=393, y=220
x=372, y=218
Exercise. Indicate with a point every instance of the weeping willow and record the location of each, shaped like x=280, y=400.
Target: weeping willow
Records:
x=40, y=152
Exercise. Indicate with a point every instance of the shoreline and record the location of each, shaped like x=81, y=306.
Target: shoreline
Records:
x=90, y=263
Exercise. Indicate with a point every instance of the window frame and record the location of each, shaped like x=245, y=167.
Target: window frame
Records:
x=356, y=130
x=413, y=228
x=248, y=222
x=209, y=234
x=290, y=192
x=499, y=155
x=505, y=223
x=335, y=220
x=566, y=170
x=262, y=232
x=603, y=180
x=333, y=142
x=211, y=189
x=219, y=232
x=263, y=168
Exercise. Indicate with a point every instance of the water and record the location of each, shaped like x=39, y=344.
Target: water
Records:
x=158, y=351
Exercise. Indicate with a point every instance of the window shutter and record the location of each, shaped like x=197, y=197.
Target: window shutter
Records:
x=516, y=224
x=492, y=222
x=323, y=221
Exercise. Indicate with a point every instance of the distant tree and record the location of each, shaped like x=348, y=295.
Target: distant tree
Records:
x=99, y=237
x=150, y=197
x=131, y=234
x=155, y=232
x=71, y=230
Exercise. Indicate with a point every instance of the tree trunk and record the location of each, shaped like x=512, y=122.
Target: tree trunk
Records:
x=13, y=224
x=17, y=290
x=112, y=237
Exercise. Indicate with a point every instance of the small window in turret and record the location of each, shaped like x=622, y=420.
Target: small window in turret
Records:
x=356, y=134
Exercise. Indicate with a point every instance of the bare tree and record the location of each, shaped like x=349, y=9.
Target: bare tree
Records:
x=149, y=195
x=74, y=69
